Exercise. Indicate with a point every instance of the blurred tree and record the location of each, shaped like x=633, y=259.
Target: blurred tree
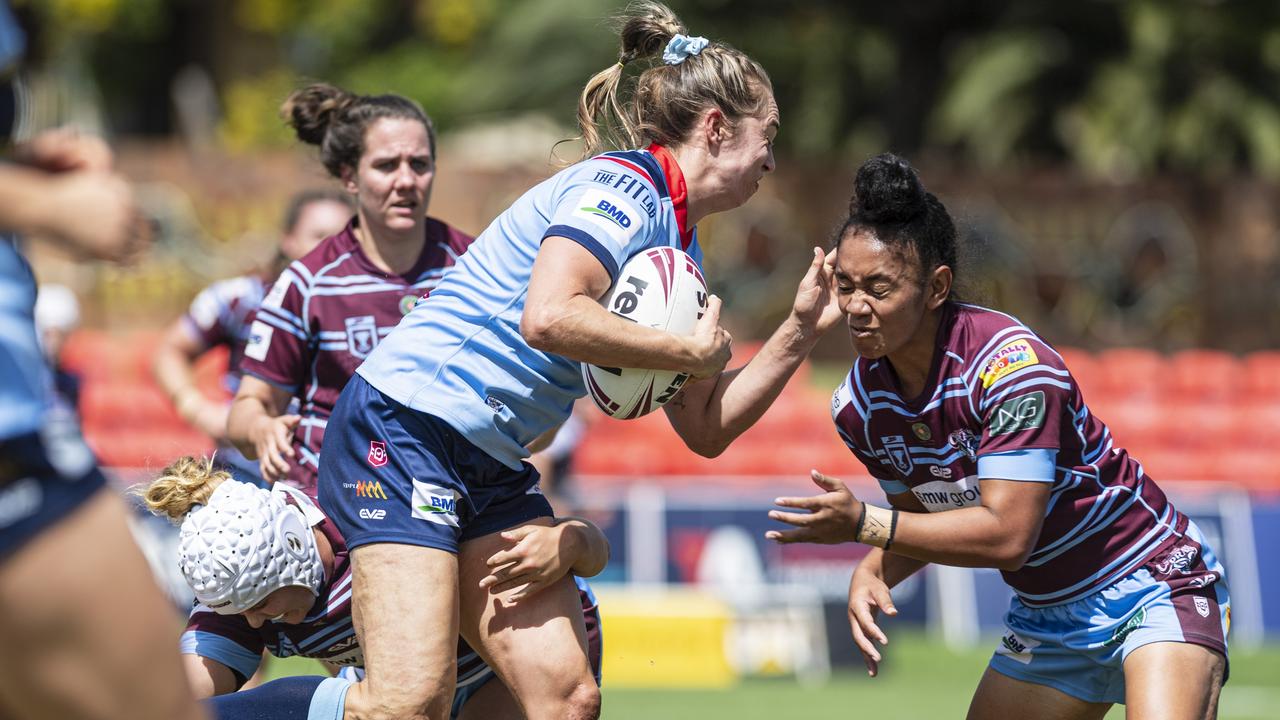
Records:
x=1119, y=89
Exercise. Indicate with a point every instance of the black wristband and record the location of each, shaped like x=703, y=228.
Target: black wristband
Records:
x=857, y=529
x=893, y=530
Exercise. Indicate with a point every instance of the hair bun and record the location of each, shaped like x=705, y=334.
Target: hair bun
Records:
x=887, y=190
x=311, y=110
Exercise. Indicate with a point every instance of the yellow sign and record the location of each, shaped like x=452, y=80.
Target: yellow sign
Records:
x=665, y=638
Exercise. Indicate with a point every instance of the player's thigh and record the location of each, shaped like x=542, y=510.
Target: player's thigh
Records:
x=538, y=646
x=1000, y=697
x=87, y=634
x=1173, y=681
x=406, y=600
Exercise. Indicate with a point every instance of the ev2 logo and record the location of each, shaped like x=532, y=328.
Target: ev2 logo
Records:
x=368, y=514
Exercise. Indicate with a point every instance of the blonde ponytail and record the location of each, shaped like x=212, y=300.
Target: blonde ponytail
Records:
x=185, y=483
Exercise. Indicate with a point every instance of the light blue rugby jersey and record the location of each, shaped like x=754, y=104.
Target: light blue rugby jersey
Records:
x=459, y=354
x=24, y=377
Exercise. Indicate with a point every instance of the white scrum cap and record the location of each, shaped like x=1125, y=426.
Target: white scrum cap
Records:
x=246, y=543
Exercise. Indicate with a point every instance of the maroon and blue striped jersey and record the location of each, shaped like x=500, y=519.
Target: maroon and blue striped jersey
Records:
x=1000, y=403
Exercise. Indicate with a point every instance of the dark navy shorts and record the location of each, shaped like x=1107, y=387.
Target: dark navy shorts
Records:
x=391, y=474
x=44, y=477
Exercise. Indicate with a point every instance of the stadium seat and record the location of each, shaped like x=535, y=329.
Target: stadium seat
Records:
x=1084, y=368
x=1206, y=375
x=130, y=404
x=1132, y=373
x=152, y=450
x=1203, y=425
x=1262, y=375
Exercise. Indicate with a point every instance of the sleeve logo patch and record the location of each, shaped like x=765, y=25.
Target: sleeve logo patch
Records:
x=610, y=212
x=276, y=296
x=259, y=341
x=1013, y=356
x=1025, y=412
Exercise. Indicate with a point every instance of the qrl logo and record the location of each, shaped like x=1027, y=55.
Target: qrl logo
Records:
x=377, y=453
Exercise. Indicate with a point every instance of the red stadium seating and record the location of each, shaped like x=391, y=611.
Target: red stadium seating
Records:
x=1206, y=375
x=1132, y=373
x=1262, y=376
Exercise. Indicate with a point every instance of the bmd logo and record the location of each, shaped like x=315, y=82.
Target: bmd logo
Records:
x=613, y=212
x=437, y=504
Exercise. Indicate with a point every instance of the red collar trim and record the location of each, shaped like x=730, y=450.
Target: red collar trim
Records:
x=678, y=190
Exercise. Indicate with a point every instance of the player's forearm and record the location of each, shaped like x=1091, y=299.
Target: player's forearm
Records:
x=580, y=329
x=173, y=373
x=246, y=411
x=590, y=548
x=967, y=537
x=715, y=412
x=890, y=567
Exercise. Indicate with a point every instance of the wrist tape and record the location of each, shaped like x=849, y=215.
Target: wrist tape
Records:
x=876, y=526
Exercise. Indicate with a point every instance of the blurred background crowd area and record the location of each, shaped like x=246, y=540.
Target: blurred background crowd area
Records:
x=1115, y=168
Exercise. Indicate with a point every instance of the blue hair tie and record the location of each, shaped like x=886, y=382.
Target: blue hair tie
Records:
x=681, y=47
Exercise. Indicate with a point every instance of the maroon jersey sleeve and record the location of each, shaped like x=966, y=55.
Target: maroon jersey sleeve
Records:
x=226, y=639
x=281, y=345
x=1023, y=395
x=204, y=317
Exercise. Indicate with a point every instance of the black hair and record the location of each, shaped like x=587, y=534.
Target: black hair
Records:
x=891, y=203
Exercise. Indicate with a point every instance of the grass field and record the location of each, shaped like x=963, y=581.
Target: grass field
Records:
x=920, y=680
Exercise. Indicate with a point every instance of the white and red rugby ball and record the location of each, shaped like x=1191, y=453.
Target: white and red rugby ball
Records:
x=660, y=288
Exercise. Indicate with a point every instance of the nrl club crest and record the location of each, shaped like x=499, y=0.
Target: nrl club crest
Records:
x=965, y=441
x=362, y=335
x=899, y=456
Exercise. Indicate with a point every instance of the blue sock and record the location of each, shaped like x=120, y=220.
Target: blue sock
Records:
x=308, y=697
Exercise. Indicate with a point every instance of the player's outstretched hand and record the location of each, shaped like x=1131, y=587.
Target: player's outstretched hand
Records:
x=713, y=346
x=816, y=305
x=94, y=213
x=273, y=440
x=831, y=517
x=64, y=150
x=536, y=558
x=868, y=595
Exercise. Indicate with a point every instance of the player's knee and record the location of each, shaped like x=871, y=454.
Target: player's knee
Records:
x=583, y=702
x=391, y=702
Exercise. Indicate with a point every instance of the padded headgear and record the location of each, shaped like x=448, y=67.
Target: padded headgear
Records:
x=246, y=543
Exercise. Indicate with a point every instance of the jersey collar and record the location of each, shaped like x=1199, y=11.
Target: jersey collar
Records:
x=679, y=191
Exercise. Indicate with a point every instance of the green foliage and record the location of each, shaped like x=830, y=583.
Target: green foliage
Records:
x=1117, y=89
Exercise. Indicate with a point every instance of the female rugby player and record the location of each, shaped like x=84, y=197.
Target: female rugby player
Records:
x=989, y=456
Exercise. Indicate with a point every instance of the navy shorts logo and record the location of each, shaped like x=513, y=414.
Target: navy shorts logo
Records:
x=377, y=453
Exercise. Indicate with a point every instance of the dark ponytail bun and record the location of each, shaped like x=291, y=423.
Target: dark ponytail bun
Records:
x=887, y=191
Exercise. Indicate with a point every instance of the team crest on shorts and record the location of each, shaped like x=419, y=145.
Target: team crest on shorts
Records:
x=896, y=448
x=1202, y=606
x=377, y=453
x=362, y=335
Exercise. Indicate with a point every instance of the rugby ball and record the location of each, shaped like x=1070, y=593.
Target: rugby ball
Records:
x=660, y=288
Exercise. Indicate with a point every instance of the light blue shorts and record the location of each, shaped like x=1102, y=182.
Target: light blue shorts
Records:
x=1080, y=647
